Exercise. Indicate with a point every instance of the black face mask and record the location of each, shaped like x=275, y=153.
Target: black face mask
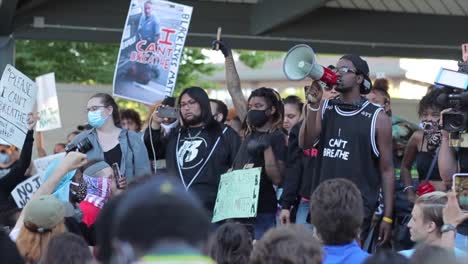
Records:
x=257, y=118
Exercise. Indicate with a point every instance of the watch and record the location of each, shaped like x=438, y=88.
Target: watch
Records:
x=448, y=227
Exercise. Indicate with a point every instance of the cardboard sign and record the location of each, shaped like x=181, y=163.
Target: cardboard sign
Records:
x=150, y=51
x=17, y=99
x=47, y=103
x=237, y=194
x=41, y=164
x=25, y=190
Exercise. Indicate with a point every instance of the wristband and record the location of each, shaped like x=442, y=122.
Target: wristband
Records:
x=313, y=109
x=448, y=227
x=387, y=220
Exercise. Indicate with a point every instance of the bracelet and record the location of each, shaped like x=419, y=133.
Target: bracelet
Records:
x=313, y=109
x=387, y=219
x=408, y=187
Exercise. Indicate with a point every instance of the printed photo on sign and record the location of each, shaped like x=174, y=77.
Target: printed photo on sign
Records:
x=17, y=99
x=47, y=103
x=25, y=190
x=150, y=51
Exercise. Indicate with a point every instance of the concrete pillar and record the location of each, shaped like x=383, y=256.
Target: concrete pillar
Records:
x=7, y=52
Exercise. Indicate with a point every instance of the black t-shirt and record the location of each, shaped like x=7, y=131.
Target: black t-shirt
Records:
x=348, y=148
x=113, y=155
x=300, y=178
x=193, y=149
x=187, y=151
x=267, y=201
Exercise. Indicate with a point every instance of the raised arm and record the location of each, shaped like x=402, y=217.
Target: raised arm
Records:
x=232, y=80
x=41, y=152
x=312, y=125
x=71, y=161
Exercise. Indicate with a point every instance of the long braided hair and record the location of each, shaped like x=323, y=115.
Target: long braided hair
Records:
x=272, y=98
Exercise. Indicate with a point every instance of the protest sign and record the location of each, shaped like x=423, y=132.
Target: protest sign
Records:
x=25, y=190
x=150, y=51
x=237, y=194
x=47, y=103
x=41, y=164
x=17, y=99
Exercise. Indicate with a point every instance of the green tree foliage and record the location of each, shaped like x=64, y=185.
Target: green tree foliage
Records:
x=91, y=63
x=72, y=62
x=255, y=59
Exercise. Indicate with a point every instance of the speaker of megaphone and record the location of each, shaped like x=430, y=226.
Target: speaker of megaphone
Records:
x=300, y=63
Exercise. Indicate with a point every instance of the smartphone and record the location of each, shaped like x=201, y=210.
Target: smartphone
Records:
x=117, y=174
x=168, y=112
x=460, y=186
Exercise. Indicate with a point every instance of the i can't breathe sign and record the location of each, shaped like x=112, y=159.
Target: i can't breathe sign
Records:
x=17, y=98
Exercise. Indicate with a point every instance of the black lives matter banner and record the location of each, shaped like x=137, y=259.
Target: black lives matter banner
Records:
x=17, y=98
x=151, y=49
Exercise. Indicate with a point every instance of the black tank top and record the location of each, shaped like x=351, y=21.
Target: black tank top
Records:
x=349, y=148
x=423, y=164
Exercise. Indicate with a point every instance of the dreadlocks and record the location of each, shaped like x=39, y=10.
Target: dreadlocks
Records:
x=273, y=99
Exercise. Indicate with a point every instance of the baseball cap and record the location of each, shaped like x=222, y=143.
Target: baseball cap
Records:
x=43, y=213
x=362, y=68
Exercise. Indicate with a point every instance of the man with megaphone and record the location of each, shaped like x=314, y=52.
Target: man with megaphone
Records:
x=355, y=135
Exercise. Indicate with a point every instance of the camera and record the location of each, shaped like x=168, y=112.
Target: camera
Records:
x=455, y=121
x=83, y=146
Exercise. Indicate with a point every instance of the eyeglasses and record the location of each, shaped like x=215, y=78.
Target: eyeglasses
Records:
x=344, y=70
x=189, y=103
x=94, y=108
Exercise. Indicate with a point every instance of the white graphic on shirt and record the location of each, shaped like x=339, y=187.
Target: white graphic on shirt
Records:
x=188, y=153
x=336, y=149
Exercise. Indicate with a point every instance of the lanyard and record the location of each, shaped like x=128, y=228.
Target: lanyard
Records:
x=201, y=168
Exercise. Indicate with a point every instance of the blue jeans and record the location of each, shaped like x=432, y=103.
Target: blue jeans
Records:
x=302, y=213
x=263, y=222
x=461, y=242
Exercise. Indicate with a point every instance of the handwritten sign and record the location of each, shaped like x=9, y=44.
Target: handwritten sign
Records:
x=152, y=43
x=25, y=190
x=47, y=103
x=237, y=194
x=42, y=164
x=17, y=99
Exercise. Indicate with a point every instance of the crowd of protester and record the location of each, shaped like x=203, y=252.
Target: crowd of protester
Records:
x=343, y=180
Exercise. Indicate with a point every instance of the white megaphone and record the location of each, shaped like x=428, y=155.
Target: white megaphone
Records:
x=300, y=63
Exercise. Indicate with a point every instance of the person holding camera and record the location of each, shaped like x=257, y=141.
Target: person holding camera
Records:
x=355, y=138
x=109, y=142
x=423, y=147
x=450, y=161
x=199, y=150
x=164, y=122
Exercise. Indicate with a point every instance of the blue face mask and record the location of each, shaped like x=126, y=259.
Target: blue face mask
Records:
x=95, y=119
x=4, y=158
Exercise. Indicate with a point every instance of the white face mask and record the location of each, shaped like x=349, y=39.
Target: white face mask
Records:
x=167, y=128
